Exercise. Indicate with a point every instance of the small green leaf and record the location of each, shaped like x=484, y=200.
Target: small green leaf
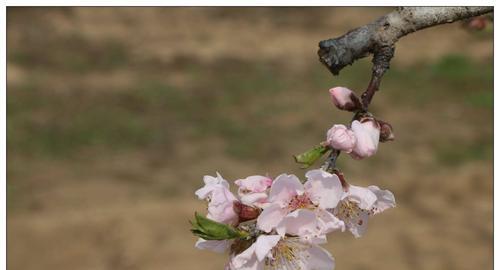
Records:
x=309, y=157
x=212, y=230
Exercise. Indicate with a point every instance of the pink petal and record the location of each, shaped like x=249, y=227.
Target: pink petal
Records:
x=358, y=225
x=365, y=197
x=252, y=198
x=301, y=222
x=254, y=183
x=320, y=259
x=284, y=188
x=264, y=244
x=385, y=199
x=270, y=217
x=246, y=259
x=367, y=138
x=341, y=138
x=328, y=222
x=220, y=207
x=210, y=184
x=213, y=245
x=323, y=188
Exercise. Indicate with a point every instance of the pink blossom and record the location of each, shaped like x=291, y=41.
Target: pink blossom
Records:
x=367, y=135
x=211, y=183
x=220, y=200
x=321, y=191
x=359, y=203
x=345, y=99
x=341, y=138
x=253, y=189
x=275, y=252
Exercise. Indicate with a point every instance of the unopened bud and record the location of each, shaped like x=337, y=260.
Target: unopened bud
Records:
x=341, y=138
x=386, y=133
x=345, y=99
x=478, y=23
x=367, y=132
x=245, y=212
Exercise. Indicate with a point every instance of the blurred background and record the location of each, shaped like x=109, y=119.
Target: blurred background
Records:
x=115, y=115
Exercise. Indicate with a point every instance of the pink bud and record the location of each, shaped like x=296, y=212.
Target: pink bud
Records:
x=341, y=138
x=345, y=99
x=245, y=212
x=367, y=134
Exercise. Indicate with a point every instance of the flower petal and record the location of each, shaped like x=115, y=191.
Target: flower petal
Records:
x=358, y=225
x=323, y=188
x=264, y=244
x=220, y=207
x=246, y=259
x=364, y=196
x=301, y=222
x=367, y=138
x=385, y=199
x=254, y=183
x=270, y=217
x=284, y=187
x=328, y=222
x=320, y=259
x=210, y=183
x=219, y=246
x=252, y=198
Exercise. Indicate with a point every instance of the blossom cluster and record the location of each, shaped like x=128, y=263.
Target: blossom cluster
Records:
x=283, y=221
x=280, y=223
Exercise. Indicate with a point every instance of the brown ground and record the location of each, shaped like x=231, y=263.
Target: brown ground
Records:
x=114, y=116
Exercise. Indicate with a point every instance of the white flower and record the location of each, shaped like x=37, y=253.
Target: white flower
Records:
x=275, y=252
x=359, y=203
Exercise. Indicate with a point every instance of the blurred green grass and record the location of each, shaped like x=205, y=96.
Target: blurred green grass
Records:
x=240, y=106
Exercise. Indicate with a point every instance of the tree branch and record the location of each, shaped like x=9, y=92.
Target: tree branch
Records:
x=379, y=38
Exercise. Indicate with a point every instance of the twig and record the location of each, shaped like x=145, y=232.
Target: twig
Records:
x=379, y=38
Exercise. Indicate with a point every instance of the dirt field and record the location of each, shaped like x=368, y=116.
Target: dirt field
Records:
x=114, y=116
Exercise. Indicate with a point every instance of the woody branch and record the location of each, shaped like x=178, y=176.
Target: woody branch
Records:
x=379, y=39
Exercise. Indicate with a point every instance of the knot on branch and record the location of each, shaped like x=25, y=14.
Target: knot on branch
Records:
x=336, y=53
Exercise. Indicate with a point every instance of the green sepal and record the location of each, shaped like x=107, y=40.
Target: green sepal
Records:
x=211, y=230
x=310, y=156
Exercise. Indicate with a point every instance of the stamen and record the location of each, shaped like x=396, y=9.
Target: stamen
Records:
x=300, y=202
x=289, y=253
x=350, y=212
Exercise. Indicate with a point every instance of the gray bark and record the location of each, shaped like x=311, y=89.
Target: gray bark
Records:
x=379, y=38
x=339, y=52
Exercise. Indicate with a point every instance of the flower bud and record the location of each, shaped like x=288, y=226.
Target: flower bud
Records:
x=386, y=133
x=478, y=23
x=245, y=212
x=367, y=134
x=345, y=99
x=341, y=138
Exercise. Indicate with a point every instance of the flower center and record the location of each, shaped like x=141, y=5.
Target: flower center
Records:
x=350, y=212
x=347, y=209
x=289, y=253
x=300, y=201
